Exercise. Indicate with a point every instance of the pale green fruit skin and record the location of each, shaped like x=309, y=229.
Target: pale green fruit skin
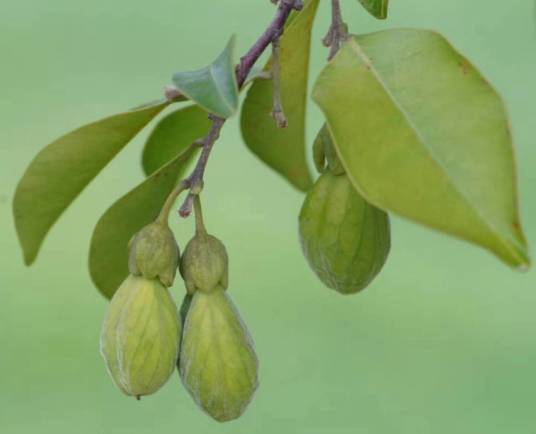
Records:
x=140, y=336
x=154, y=253
x=345, y=239
x=218, y=364
x=204, y=264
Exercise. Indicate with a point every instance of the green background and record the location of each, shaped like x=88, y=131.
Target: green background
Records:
x=444, y=341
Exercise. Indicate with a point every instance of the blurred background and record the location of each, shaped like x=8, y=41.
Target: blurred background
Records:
x=444, y=341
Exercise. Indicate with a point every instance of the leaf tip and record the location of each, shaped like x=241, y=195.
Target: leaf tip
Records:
x=29, y=259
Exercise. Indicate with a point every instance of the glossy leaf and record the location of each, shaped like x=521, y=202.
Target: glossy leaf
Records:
x=108, y=256
x=377, y=8
x=172, y=135
x=64, y=168
x=283, y=149
x=214, y=88
x=421, y=133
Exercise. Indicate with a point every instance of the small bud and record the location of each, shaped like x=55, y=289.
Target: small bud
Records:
x=204, y=263
x=218, y=364
x=154, y=253
x=140, y=336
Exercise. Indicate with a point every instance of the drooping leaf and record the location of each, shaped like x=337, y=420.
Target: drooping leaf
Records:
x=214, y=88
x=58, y=174
x=108, y=255
x=421, y=133
x=283, y=149
x=377, y=8
x=172, y=135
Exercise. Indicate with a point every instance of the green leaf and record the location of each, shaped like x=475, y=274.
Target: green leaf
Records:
x=377, y=8
x=283, y=149
x=64, y=168
x=108, y=255
x=214, y=88
x=421, y=133
x=172, y=135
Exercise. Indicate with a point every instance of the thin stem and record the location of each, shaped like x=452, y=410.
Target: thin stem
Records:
x=274, y=31
x=336, y=13
x=163, y=217
x=195, y=180
x=277, y=110
x=338, y=31
x=199, y=223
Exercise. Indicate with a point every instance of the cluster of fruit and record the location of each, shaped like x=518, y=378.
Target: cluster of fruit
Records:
x=144, y=336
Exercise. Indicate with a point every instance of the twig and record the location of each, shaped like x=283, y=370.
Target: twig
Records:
x=338, y=31
x=171, y=93
x=274, y=31
x=277, y=109
x=195, y=180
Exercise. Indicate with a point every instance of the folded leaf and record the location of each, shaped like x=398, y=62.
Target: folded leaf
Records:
x=172, y=135
x=108, y=255
x=214, y=88
x=377, y=8
x=421, y=133
x=283, y=149
x=64, y=168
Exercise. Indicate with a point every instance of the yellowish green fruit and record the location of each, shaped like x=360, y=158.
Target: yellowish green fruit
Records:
x=204, y=263
x=154, y=253
x=218, y=364
x=345, y=239
x=140, y=336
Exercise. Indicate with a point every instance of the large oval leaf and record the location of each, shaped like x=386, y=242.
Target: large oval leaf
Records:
x=64, y=168
x=214, y=88
x=283, y=149
x=421, y=133
x=108, y=254
x=172, y=135
x=377, y=8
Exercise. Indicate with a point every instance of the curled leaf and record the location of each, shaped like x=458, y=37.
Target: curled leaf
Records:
x=214, y=88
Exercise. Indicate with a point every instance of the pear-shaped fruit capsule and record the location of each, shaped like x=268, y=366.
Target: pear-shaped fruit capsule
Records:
x=140, y=336
x=218, y=364
x=154, y=253
x=345, y=239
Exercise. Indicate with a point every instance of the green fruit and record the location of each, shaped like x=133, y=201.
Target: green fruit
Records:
x=140, y=336
x=154, y=253
x=218, y=364
x=345, y=239
x=204, y=263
